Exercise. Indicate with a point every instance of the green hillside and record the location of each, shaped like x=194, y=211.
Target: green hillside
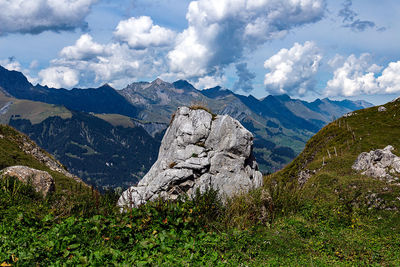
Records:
x=338, y=217
x=34, y=111
x=18, y=200
x=363, y=131
x=11, y=154
x=349, y=218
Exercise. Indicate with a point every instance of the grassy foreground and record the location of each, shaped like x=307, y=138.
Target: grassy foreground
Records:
x=338, y=217
x=186, y=233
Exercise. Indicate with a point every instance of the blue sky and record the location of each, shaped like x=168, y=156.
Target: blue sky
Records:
x=305, y=48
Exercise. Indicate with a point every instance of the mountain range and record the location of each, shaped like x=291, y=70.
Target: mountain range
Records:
x=111, y=137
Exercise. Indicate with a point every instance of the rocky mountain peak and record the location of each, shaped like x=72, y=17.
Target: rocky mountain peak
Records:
x=183, y=84
x=216, y=92
x=283, y=97
x=199, y=151
x=106, y=85
x=158, y=81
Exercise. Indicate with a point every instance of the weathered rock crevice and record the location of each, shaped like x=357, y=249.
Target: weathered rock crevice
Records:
x=199, y=151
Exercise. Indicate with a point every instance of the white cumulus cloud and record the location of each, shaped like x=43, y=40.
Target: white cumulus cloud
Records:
x=59, y=77
x=11, y=64
x=209, y=82
x=84, y=49
x=356, y=76
x=36, y=16
x=389, y=81
x=293, y=70
x=141, y=33
x=220, y=31
x=138, y=50
x=113, y=63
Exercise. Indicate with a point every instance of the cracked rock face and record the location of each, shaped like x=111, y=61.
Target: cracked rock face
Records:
x=198, y=152
x=42, y=181
x=378, y=164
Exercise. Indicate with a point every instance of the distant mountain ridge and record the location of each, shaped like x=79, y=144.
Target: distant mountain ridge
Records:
x=99, y=100
x=281, y=125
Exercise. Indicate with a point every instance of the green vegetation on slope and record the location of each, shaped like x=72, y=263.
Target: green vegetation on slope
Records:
x=117, y=120
x=69, y=193
x=184, y=233
x=34, y=111
x=330, y=220
x=335, y=182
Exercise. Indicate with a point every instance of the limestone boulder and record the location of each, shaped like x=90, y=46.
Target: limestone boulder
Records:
x=199, y=151
x=381, y=164
x=41, y=181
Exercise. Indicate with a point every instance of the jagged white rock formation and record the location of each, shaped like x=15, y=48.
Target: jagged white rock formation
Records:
x=198, y=151
x=41, y=181
x=380, y=164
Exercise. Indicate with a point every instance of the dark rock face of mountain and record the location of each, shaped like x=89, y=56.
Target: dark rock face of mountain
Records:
x=216, y=92
x=14, y=81
x=93, y=149
x=100, y=100
x=182, y=84
x=158, y=100
x=273, y=107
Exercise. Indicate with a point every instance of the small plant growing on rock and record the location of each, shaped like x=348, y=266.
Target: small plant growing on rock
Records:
x=202, y=106
x=172, y=118
x=172, y=164
x=194, y=155
x=201, y=144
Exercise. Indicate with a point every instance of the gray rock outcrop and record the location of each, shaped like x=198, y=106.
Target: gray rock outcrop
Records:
x=381, y=109
x=198, y=151
x=303, y=177
x=42, y=181
x=381, y=164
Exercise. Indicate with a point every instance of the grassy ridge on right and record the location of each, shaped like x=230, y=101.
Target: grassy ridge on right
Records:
x=329, y=155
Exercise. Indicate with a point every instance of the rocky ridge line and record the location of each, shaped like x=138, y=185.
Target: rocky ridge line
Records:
x=30, y=148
